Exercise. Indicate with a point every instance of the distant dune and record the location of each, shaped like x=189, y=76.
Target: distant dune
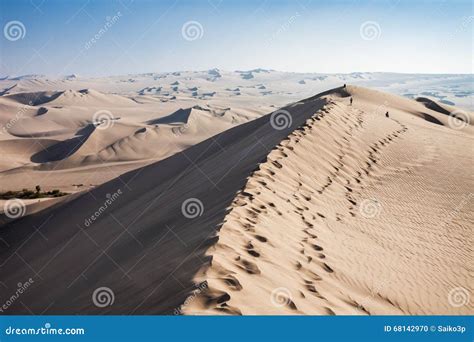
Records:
x=142, y=118
x=322, y=207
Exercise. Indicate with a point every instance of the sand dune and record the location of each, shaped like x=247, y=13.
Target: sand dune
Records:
x=285, y=88
x=17, y=153
x=330, y=224
x=90, y=96
x=322, y=208
x=76, y=132
x=34, y=98
x=127, y=142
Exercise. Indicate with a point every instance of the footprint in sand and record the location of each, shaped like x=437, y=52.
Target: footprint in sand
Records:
x=261, y=238
x=249, y=247
x=218, y=300
x=327, y=268
x=317, y=248
x=231, y=282
x=247, y=266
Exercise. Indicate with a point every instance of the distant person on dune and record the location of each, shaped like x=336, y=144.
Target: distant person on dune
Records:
x=386, y=115
x=344, y=86
x=351, y=101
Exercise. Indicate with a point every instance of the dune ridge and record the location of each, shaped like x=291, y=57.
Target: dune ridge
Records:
x=329, y=224
x=332, y=213
x=142, y=246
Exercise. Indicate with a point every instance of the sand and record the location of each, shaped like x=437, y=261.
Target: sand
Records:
x=354, y=214
x=322, y=208
x=63, y=132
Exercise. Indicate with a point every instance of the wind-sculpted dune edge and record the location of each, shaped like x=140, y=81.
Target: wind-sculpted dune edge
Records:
x=138, y=235
x=349, y=202
x=355, y=213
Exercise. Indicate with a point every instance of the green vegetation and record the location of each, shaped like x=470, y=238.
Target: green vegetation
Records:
x=30, y=194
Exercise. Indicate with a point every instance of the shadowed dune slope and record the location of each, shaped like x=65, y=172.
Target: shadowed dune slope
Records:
x=141, y=245
x=354, y=214
x=343, y=211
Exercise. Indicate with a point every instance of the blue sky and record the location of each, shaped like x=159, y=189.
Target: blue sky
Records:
x=300, y=36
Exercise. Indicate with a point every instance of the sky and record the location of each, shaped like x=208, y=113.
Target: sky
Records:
x=111, y=37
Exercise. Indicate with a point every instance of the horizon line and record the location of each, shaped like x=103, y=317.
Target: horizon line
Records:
x=13, y=76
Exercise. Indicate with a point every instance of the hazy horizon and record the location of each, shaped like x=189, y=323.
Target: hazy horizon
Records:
x=57, y=38
x=11, y=76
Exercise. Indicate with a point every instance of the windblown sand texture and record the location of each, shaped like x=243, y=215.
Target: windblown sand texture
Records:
x=341, y=210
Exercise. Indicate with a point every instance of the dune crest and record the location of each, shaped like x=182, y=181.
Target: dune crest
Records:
x=330, y=208
x=326, y=226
